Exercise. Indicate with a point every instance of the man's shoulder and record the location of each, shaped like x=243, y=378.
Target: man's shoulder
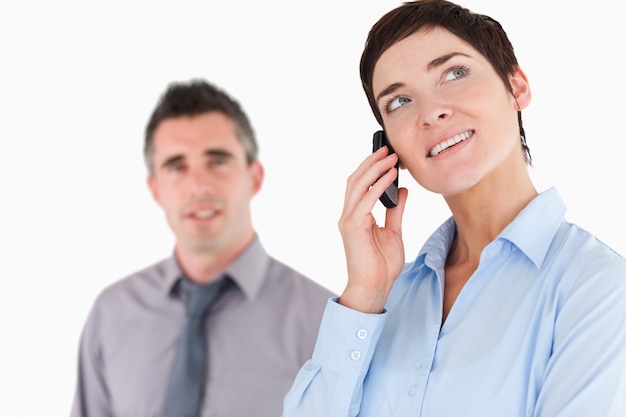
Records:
x=145, y=280
x=299, y=283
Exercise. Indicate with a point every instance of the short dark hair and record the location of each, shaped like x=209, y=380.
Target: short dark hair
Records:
x=191, y=99
x=482, y=32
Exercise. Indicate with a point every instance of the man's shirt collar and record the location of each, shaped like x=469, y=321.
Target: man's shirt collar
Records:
x=247, y=271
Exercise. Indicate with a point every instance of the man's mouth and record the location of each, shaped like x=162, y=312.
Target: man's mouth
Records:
x=440, y=147
x=203, y=214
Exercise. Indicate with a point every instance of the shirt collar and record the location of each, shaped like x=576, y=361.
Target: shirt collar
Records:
x=532, y=231
x=247, y=271
x=534, y=228
x=171, y=272
x=435, y=250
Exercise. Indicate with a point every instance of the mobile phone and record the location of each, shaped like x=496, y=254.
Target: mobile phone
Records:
x=389, y=198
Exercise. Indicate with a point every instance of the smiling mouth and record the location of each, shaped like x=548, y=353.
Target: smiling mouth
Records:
x=203, y=214
x=440, y=147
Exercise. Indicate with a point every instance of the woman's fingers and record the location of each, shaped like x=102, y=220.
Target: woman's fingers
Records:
x=374, y=255
x=393, y=216
x=370, y=179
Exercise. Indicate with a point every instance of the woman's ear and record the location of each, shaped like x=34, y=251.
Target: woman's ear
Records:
x=521, y=89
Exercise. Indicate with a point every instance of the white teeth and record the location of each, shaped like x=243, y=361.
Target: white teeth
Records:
x=204, y=214
x=440, y=147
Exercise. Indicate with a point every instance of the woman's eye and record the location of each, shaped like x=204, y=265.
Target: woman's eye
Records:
x=396, y=103
x=455, y=73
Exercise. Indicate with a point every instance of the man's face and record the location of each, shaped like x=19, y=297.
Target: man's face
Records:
x=203, y=182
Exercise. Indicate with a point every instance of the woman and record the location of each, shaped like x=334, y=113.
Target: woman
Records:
x=508, y=310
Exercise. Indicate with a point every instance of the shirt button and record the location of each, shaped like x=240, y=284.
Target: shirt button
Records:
x=355, y=354
x=412, y=390
x=361, y=334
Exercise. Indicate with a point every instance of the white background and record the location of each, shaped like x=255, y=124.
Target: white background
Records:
x=78, y=81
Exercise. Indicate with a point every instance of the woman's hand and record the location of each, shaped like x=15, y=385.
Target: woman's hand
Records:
x=374, y=255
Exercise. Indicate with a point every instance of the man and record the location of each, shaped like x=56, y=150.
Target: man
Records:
x=201, y=155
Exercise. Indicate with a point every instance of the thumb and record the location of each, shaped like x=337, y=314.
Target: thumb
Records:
x=393, y=216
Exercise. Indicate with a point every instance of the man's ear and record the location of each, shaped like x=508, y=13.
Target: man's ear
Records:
x=257, y=173
x=152, y=186
x=521, y=89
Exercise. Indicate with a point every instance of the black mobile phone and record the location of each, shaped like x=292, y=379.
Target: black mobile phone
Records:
x=389, y=198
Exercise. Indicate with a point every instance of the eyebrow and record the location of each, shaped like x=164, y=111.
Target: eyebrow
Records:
x=209, y=153
x=172, y=161
x=218, y=152
x=435, y=63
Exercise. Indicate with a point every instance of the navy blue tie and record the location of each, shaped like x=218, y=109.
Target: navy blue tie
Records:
x=187, y=377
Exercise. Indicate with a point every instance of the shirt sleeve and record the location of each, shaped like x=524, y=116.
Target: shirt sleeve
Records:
x=91, y=396
x=331, y=382
x=586, y=373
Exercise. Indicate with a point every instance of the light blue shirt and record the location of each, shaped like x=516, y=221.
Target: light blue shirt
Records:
x=538, y=330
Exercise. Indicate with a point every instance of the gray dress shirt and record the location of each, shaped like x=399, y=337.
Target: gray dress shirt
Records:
x=260, y=333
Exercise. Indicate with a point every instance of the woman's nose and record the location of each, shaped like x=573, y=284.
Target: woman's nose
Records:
x=433, y=112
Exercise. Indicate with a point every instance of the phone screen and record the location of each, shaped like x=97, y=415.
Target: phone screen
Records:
x=389, y=198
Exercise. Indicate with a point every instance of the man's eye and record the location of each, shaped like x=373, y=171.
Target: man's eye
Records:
x=218, y=161
x=456, y=73
x=396, y=102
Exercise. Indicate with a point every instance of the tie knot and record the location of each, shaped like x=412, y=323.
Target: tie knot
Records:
x=200, y=297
